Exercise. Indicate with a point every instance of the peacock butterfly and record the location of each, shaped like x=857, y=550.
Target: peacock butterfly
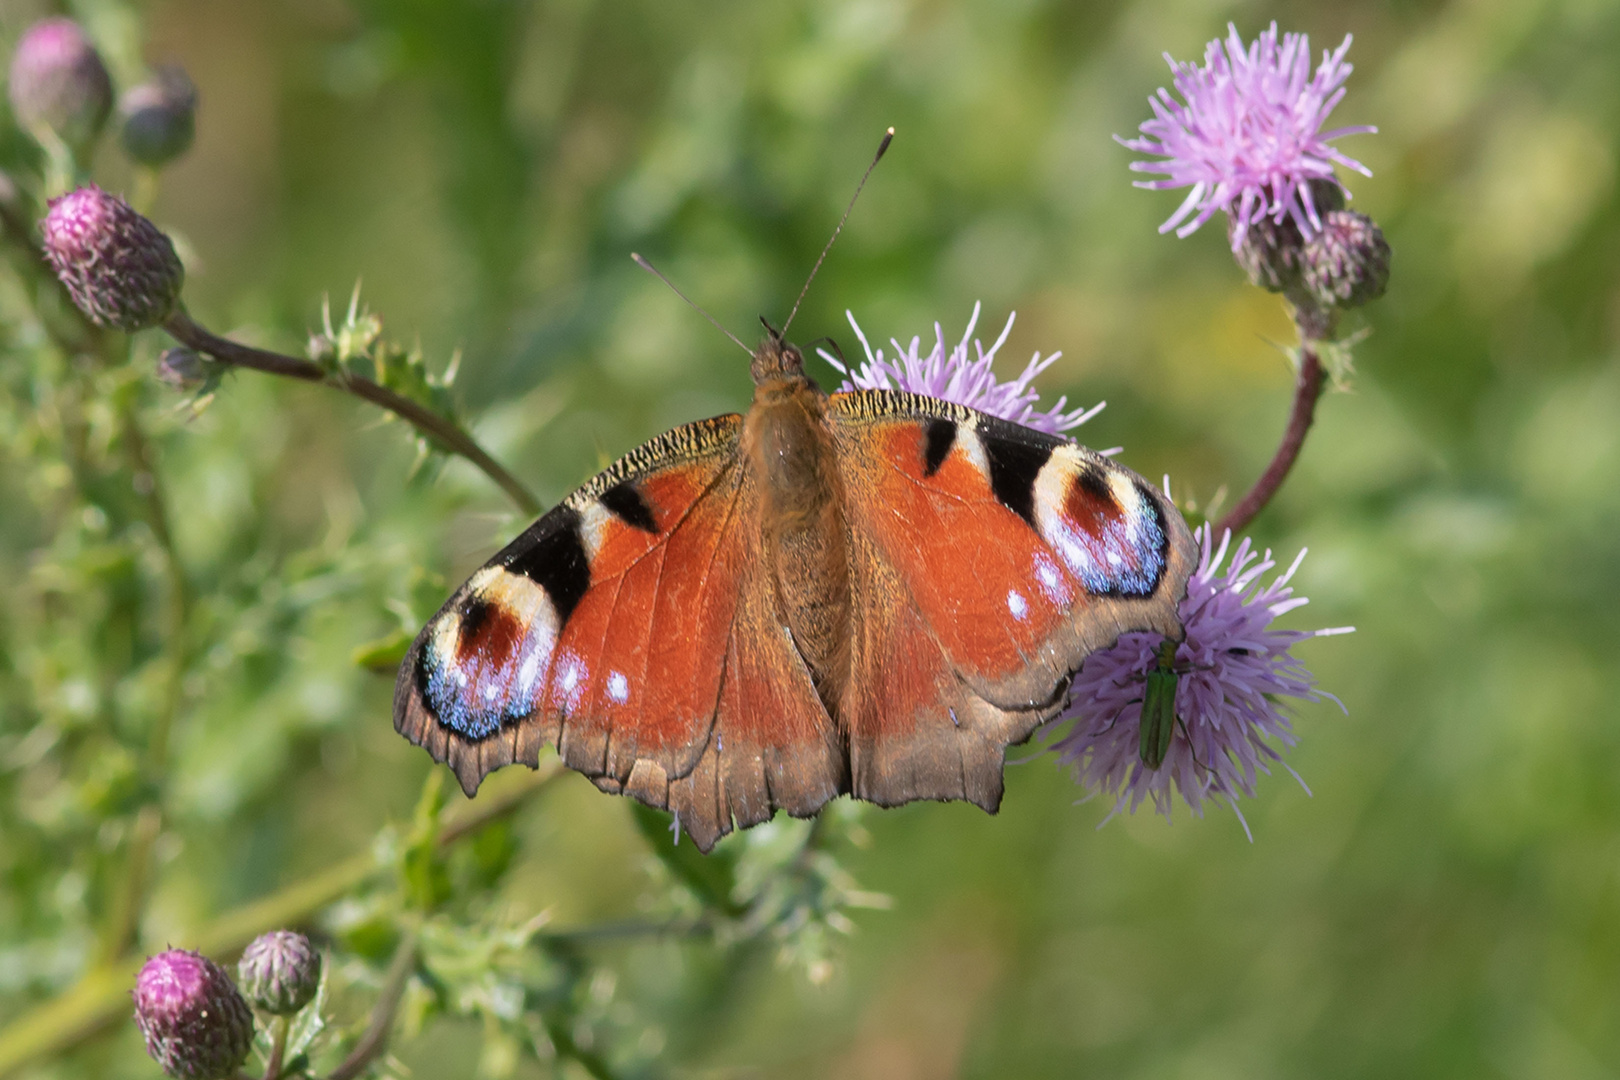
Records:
x=871, y=593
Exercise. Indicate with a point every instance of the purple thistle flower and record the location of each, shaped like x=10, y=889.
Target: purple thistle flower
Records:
x=1249, y=137
x=197, y=1026
x=1233, y=667
x=118, y=267
x=948, y=373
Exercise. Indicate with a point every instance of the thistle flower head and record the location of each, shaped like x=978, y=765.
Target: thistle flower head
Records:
x=119, y=268
x=1247, y=135
x=1233, y=669
x=1346, y=264
x=280, y=972
x=197, y=1026
x=59, y=84
x=159, y=117
x=956, y=375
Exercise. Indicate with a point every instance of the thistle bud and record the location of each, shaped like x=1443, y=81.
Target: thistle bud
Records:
x=1269, y=253
x=119, y=268
x=1272, y=252
x=159, y=117
x=182, y=369
x=197, y=1026
x=59, y=84
x=280, y=972
x=1347, y=263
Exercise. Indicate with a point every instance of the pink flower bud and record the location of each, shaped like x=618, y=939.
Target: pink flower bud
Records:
x=119, y=268
x=280, y=972
x=197, y=1026
x=1347, y=263
x=159, y=117
x=58, y=82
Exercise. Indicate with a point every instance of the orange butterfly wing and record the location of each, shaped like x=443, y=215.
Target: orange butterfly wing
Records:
x=638, y=627
x=628, y=628
x=988, y=560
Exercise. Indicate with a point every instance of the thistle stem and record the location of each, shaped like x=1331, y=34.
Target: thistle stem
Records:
x=375, y=1040
x=562, y=1039
x=1307, y=389
x=278, y=1048
x=144, y=477
x=435, y=427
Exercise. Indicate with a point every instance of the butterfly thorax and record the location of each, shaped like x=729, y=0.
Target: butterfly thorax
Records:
x=802, y=530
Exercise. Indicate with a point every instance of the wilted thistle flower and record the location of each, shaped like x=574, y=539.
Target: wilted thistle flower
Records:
x=952, y=374
x=280, y=972
x=1233, y=670
x=119, y=268
x=59, y=84
x=159, y=117
x=197, y=1026
x=1346, y=264
x=1248, y=136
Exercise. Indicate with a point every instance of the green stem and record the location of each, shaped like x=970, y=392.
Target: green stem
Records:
x=436, y=428
x=563, y=1039
x=126, y=908
x=148, y=483
x=375, y=1040
x=278, y=1047
x=129, y=898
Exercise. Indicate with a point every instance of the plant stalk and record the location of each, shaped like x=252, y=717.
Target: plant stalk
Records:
x=435, y=427
x=1307, y=390
x=278, y=1048
x=375, y=1040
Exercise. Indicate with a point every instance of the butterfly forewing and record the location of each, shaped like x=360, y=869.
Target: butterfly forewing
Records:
x=629, y=584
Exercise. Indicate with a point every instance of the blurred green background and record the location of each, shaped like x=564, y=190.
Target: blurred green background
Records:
x=1446, y=904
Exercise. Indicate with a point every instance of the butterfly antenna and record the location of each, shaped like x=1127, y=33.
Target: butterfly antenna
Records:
x=883, y=147
x=655, y=272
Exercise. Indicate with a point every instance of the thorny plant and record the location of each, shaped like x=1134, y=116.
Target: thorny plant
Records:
x=117, y=648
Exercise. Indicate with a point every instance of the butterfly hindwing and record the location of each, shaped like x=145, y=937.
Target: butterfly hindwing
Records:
x=774, y=746
x=995, y=558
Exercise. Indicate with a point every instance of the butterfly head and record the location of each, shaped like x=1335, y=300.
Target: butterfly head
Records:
x=775, y=359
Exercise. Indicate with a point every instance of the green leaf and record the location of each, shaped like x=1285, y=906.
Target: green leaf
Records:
x=385, y=654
